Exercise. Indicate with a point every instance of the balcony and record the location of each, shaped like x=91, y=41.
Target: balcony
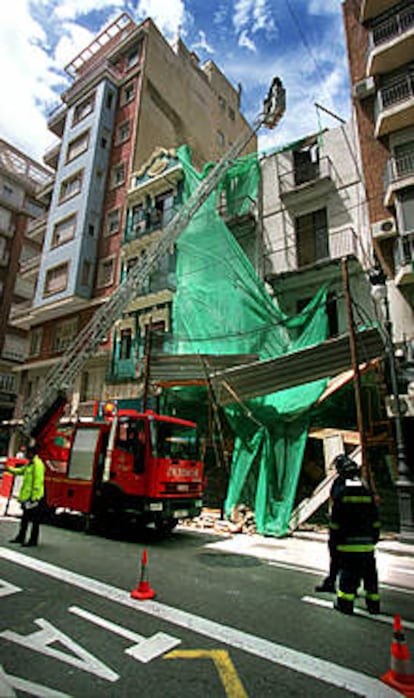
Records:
x=399, y=174
x=36, y=228
x=24, y=288
x=51, y=156
x=306, y=181
x=374, y=8
x=391, y=42
x=147, y=222
x=30, y=266
x=404, y=260
x=394, y=108
x=56, y=120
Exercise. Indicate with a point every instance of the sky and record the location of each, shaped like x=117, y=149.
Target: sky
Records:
x=251, y=41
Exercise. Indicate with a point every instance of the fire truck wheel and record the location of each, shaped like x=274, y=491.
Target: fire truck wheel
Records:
x=165, y=525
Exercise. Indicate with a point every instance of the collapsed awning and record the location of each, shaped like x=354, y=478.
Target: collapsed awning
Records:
x=247, y=377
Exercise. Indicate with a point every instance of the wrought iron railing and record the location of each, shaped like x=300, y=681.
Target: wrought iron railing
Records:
x=393, y=26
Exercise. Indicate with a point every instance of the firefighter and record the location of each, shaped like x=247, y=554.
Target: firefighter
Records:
x=31, y=496
x=354, y=532
x=329, y=583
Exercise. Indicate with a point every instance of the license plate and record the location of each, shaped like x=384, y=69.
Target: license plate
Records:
x=180, y=514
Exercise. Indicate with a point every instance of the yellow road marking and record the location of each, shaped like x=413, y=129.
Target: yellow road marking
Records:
x=225, y=667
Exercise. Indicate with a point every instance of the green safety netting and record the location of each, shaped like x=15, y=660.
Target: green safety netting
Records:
x=221, y=306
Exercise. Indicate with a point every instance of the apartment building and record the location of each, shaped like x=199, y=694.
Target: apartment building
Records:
x=20, y=179
x=131, y=93
x=380, y=42
x=314, y=214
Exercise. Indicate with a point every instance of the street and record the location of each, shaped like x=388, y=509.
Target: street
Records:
x=233, y=616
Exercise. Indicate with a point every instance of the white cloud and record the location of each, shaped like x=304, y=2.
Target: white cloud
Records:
x=71, y=9
x=27, y=79
x=324, y=7
x=246, y=42
x=168, y=16
x=254, y=14
x=202, y=44
x=74, y=39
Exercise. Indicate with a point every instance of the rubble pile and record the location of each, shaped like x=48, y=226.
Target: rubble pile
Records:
x=241, y=521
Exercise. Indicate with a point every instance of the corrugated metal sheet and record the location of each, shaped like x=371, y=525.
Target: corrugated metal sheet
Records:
x=187, y=369
x=320, y=361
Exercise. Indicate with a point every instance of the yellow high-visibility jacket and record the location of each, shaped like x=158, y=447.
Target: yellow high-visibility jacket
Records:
x=33, y=487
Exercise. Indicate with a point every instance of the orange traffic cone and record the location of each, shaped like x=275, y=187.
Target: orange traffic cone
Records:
x=143, y=590
x=400, y=675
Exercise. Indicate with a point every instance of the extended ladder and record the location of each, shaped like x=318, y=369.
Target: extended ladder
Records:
x=62, y=375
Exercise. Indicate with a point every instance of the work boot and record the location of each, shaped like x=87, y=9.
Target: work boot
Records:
x=327, y=585
x=344, y=606
x=373, y=607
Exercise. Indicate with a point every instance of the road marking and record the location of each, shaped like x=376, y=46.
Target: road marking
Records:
x=8, y=682
x=333, y=674
x=404, y=570
x=225, y=667
x=6, y=588
x=40, y=640
x=379, y=617
x=144, y=649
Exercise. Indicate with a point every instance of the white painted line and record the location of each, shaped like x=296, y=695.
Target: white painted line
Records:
x=6, y=588
x=379, y=617
x=31, y=688
x=327, y=672
x=144, y=649
x=6, y=689
x=404, y=570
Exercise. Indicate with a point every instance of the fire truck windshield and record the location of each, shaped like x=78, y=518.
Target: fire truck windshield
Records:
x=171, y=440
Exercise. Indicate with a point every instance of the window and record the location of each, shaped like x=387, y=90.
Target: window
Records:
x=64, y=231
x=65, y=331
x=138, y=219
x=70, y=187
x=404, y=159
x=106, y=272
x=109, y=100
x=118, y=175
x=232, y=114
x=83, y=109
x=77, y=146
x=126, y=344
x=128, y=93
x=222, y=102
x=164, y=207
x=5, y=218
x=56, y=279
x=35, y=341
x=86, y=273
x=306, y=164
x=132, y=57
x=312, y=241
x=123, y=132
x=406, y=205
x=220, y=139
x=113, y=221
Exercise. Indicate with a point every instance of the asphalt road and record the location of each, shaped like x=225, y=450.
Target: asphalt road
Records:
x=221, y=624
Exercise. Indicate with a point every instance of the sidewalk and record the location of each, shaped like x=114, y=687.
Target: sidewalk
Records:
x=253, y=543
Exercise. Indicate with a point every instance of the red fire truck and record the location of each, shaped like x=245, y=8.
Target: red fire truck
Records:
x=123, y=462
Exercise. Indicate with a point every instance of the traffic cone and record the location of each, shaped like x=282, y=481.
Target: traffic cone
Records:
x=143, y=590
x=400, y=675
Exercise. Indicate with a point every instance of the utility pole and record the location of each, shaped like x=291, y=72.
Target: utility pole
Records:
x=365, y=469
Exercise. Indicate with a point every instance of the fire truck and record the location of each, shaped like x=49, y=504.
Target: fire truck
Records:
x=123, y=463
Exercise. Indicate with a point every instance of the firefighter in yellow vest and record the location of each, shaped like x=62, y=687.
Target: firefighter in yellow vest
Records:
x=31, y=496
x=355, y=531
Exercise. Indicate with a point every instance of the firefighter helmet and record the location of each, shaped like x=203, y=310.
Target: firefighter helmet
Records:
x=345, y=465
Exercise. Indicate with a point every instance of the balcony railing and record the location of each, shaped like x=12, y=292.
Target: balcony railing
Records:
x=404, y=253
x=389, y=28
x=149, y=220
x=30, y=264
x=399, y=168
x=401, y=90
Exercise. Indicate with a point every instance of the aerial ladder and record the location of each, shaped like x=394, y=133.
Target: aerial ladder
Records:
x=58, y=381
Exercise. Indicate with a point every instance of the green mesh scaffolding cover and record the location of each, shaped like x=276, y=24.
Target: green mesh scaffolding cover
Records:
x=221, y=306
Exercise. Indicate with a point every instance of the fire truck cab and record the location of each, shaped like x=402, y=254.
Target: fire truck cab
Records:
x=125, y=462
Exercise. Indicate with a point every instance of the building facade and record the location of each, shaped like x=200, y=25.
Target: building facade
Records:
x=380, y=43
x=20, y=210
x=131, y=93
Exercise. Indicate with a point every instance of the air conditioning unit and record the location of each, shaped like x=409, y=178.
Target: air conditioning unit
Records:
x=406, y=405
x=387, y=228
x=364, y=88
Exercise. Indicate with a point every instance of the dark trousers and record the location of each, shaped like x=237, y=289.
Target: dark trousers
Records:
x=354, y=568
x=34, y=517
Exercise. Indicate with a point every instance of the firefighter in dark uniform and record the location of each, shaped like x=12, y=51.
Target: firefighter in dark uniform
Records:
x=354, y=531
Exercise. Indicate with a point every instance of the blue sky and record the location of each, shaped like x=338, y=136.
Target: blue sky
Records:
x=301, y=41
